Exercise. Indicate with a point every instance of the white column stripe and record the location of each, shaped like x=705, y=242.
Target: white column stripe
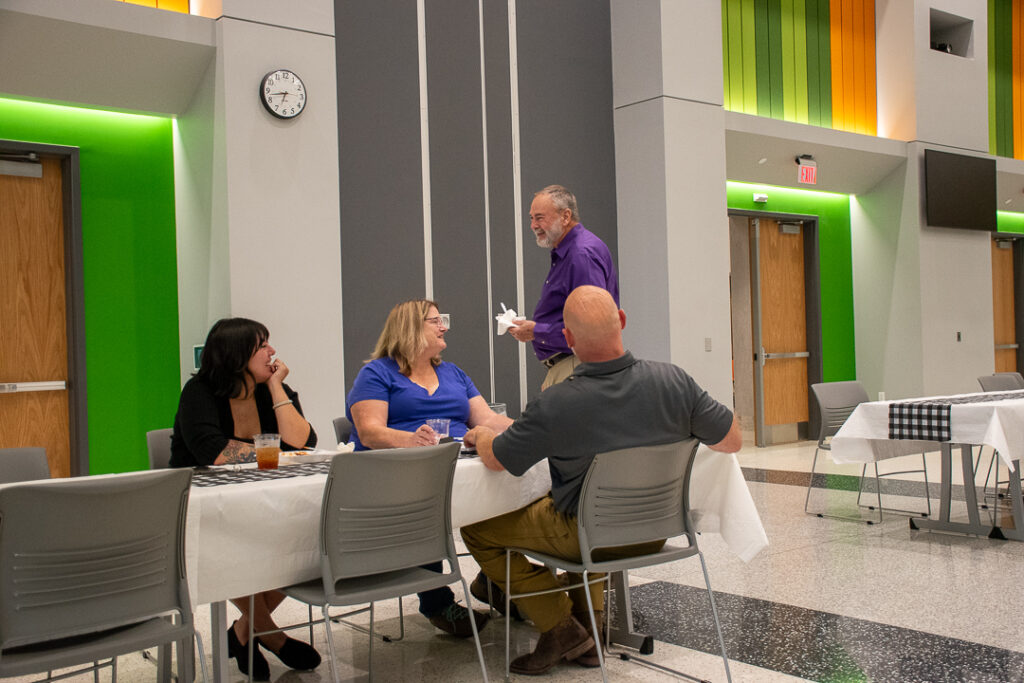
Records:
x=517, y=190
x=487, y=198
x=428, y=246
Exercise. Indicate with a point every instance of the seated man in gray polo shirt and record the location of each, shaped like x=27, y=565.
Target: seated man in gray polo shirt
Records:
x=611, y=401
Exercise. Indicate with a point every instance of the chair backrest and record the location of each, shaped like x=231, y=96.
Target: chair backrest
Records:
x=158, y=442
x=73, y=561
x=636, y=495
x=836, y=400
x=342, y=429
x=23, y=464
x=1001, y=381
x=385, y=510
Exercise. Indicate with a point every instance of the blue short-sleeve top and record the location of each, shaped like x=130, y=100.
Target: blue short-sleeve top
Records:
x=409, y=404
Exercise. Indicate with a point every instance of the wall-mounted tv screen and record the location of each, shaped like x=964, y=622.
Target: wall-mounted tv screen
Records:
x=960, y=191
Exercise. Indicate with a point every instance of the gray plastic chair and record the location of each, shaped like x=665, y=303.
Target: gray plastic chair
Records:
x=342, y=429
x=81, y=581
x=158, y=443
x=23, y=464
x=836, y=402
x=999, y=381
x=631, y=496
x=375, y=539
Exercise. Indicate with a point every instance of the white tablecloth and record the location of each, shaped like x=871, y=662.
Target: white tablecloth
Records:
x=999, y=424
x=246, y=538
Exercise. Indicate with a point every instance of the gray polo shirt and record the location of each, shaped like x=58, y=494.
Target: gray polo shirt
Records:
x=620, y=403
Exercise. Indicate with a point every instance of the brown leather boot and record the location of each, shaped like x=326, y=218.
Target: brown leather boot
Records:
x=589, y=658
x=568, y=640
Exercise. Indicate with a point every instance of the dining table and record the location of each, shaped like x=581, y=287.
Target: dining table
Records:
x=877, y=430
x=251, y=530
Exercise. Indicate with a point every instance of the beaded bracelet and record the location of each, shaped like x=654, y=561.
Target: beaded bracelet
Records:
x=281, y=403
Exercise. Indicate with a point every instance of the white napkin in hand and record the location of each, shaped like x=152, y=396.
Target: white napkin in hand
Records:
x=508, y=319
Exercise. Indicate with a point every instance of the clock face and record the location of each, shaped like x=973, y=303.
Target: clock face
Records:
x=283, y=94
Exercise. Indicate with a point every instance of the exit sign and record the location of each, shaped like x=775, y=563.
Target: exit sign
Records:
x=808, y=173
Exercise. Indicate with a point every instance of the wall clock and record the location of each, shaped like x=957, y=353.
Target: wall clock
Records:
x=283, y=93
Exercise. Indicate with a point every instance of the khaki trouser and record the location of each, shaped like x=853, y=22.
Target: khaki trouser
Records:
x=560, y=371
x=540, y=527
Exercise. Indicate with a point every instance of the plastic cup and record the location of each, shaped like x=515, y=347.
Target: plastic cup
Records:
x=268, y=448
x=440, y=427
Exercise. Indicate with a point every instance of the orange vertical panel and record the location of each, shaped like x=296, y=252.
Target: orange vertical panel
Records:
x=870, y=121
x=173, y=5
x=1018, y=73
x=836, y=36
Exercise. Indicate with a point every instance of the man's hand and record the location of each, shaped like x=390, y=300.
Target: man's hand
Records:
x=481, y=438
x=523, y=331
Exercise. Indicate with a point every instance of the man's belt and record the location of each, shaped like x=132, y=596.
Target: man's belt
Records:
x=551, y=361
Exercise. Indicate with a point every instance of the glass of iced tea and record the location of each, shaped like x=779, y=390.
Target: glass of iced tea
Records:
x=268, y=448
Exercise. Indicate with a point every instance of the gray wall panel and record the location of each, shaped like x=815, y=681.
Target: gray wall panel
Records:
x=380, y=185
x=565, y=95
x=456, y=170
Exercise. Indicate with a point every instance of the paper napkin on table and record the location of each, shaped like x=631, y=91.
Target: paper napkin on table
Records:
x=508, y=319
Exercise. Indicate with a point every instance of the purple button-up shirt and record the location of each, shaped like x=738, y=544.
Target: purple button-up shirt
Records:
x=581, y=258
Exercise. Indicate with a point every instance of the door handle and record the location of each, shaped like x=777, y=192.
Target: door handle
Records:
x=19, y=387
x=794, y=354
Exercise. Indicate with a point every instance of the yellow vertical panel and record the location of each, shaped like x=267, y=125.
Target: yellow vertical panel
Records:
x=173, y=5
x=856, y=33
x=1018, y=74
x=849, y=68
x=144, y=3
x=836, y=36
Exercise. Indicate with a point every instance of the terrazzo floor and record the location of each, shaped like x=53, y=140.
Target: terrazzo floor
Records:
x=827, y=600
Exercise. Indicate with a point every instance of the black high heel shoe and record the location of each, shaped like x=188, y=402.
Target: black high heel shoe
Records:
x=296, y=654
x=260, y=668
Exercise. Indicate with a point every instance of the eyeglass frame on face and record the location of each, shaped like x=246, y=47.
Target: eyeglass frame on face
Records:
x=442, y=319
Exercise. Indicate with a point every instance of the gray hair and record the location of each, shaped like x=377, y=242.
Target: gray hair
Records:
x=562, y=199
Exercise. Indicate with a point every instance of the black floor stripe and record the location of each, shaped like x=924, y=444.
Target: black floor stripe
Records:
x=815, y=645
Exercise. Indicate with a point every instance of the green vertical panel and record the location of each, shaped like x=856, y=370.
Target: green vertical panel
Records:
x=800, y=60
x=993, y=137
x=786, y=43
x=813, y=65
x=749, y=57
x=736, y=41
x=836, y=259
x=1004, y=77
x=825, y=63
x=725, y=55
x=775, y=58
x=130, y=277
x=762, y=49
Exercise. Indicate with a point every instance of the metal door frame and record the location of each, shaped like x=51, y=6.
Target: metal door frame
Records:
x=812, y=313
x=74, y=294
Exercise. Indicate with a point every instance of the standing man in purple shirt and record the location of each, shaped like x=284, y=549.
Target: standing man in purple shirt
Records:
x=578, y=257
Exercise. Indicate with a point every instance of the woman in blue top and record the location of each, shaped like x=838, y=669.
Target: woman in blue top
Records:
x=402, y=385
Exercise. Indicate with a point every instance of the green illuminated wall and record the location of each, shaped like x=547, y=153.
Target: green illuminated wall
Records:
x=833, y=212
x=130, y=270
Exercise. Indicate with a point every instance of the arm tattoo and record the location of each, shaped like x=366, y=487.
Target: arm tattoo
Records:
x=238, y=451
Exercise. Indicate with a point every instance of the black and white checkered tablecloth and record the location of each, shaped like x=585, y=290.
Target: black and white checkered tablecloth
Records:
x=221, y=476
x=929, y=419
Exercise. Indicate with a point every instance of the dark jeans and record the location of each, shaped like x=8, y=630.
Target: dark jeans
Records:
x=435, y=600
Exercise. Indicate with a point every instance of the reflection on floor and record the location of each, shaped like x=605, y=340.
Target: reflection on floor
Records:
x=828, y=600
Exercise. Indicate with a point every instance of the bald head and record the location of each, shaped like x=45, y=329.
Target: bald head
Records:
x=593, y=324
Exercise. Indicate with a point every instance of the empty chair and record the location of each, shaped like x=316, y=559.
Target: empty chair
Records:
x=158, y=442
x=375, y=540
x=23, y=464
x=342, y=429
x=81, y=581
x=631, y=496
x=836, y=402
x=999, y=381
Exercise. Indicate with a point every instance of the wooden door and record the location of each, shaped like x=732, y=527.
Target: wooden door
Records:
x=1003, y=306
x=33, y=322
x=782, y=324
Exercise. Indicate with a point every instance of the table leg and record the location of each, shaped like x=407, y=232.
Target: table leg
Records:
x=219, y=641
x=943, y=523
x=1016, y=506
x=624, y=634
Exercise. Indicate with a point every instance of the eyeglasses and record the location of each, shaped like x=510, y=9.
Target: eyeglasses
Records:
x=442, y=319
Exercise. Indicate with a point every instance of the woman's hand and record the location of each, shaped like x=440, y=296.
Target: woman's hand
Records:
x=424, y=436
x=280, y=371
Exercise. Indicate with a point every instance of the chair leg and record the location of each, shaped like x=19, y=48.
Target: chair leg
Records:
x=714, y=613
x=810, y=485
x=927, y=490
x=369, y=661
x=202, y=658
x=508, y=608
x=472, y=624
x=330, y=643
x=593, y=626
